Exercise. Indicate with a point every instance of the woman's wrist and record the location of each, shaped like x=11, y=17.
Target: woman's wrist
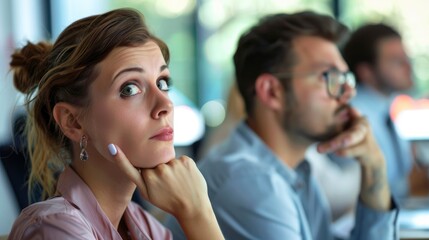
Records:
x=205, y=219
x=195, y=213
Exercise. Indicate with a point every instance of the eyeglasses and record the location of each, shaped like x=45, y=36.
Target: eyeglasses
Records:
x=335, y=81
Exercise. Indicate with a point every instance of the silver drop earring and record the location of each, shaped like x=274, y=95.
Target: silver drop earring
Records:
x=83, y=153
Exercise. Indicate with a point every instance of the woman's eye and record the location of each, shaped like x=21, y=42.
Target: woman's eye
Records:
x=130, y=90
x=163, y=85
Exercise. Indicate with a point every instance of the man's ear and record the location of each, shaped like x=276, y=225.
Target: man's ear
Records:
x=270, y=91
x=66, y=116
x=365, y=73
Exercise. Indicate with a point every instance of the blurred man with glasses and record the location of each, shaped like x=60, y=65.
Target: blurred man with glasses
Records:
x=377, y=57
x=296, y=88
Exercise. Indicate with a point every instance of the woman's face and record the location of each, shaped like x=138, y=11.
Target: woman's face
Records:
x=130, y=106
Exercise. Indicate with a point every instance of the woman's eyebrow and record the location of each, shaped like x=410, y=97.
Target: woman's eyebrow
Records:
x=131, y=69
x=163, y=67
x=135, y=69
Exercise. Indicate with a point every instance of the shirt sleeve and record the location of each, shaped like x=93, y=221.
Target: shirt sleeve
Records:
x=372, y=224
x=259, y=207
x=55, y=226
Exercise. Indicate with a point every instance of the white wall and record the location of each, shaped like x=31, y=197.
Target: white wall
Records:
x=65, y=12
x=6, y=90
x=21, y=21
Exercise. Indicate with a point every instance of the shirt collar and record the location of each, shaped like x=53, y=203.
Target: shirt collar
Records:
x=257, y=147
x=369, y=97
x=76, y=192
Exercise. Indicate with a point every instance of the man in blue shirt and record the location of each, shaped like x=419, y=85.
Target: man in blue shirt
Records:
x=296, y=88
x=376, y=55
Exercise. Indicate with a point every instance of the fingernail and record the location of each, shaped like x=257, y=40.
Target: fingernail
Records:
x=112, y=149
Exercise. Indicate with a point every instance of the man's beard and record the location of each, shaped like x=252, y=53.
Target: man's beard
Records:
x=292, y=125
x=385, y=85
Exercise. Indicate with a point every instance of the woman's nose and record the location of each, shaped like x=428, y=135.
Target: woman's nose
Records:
x=163, y=105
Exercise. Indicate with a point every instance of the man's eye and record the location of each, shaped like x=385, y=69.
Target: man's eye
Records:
x=130, y=90
x=163, y=85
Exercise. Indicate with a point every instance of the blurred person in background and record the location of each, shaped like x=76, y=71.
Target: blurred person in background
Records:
x=376, y=55
x=296, y=88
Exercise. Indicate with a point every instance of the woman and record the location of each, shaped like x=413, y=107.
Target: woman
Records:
x=100, y=115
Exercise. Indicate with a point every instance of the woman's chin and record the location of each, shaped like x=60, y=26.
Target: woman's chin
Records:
x=152, y=163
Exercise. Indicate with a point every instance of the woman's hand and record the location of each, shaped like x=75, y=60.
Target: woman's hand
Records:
x=177, y=187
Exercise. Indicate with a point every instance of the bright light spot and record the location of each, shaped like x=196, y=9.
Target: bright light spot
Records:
x=413, y=124
x=188, y=125
x=220, y=47
x=380, y=7
x=136, y=1
x=181, y=46
x=414, y=219
x=214, y=113
x=212, y=14
x=174, y=8
x=420, y=220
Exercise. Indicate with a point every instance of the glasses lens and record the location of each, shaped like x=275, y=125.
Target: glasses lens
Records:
x=350, y=79
x=336, y=81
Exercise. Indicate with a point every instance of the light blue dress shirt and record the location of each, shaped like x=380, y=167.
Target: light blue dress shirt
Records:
x=397, y=151
x=256, y=196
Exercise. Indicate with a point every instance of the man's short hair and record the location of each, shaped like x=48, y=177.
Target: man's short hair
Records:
x=363, y=44
x=267, y=46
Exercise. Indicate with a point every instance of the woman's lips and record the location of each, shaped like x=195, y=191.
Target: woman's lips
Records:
x=165, y=134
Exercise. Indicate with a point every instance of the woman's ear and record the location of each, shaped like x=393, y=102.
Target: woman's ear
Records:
x=66, y=116
x=269, y=91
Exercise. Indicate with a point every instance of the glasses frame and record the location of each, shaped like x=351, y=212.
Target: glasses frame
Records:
x=340, y=79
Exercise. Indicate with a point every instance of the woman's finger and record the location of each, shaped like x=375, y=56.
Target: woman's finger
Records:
x=125, y=165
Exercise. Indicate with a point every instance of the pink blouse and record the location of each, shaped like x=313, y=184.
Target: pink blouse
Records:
x=77, y=215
